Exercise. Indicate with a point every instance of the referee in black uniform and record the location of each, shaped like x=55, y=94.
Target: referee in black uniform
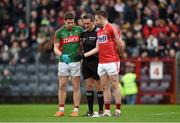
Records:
x=90, y=64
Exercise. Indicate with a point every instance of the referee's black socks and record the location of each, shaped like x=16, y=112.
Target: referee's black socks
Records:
x=90, y=99
x=100, y=100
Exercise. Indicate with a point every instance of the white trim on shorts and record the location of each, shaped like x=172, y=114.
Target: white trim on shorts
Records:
x=72, y=69
x=108, y=68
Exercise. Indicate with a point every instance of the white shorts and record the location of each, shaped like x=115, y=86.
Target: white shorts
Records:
x=108, y=68
x=72, y=69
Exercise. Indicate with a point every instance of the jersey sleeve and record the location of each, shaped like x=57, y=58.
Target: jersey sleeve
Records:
x=115, y=30
x=81, y=30
x=80, y=50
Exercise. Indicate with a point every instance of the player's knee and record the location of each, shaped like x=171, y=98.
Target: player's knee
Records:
x=98, y=88
x=114, y=86
x=105, y=86
x=62, y=86
x=76, y=86
x=89, y=87
x=113, y=79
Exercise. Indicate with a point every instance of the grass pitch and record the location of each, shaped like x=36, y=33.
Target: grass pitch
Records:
x=44, y=113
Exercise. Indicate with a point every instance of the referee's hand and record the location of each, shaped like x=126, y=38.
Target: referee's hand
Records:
x=80, y=53
x=80, y=56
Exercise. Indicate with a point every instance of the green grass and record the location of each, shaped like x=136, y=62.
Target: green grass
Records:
x=44, y=113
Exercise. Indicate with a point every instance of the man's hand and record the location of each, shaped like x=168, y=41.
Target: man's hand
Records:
x=65, y=58
x=121, y=54
x=80, y=52
x=80, y=56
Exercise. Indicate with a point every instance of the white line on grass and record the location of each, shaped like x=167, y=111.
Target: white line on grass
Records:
x=167, y=113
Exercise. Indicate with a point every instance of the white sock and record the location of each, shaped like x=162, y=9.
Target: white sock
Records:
x=118, y=111
x=107, y=111
x=61, y=109
x=76, y=109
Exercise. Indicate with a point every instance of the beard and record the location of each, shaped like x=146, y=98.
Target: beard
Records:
x=99, y=25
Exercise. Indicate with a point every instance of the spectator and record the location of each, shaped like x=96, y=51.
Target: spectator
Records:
x=14, y=51
x=172, y=53
x=25, y=54
x=152, y=45
x=22, y=31
x=60, y=18
x=4, y=54
x=45, y=51
x=130, y=84
x=5, y=81
x=162, y=44
x=149, y=29
x=119, y=6
x=34, y=17
x=130, y=14
x=162, y=27
x=33, y=33
x=141, y=18
x=132, y=45
x=4, y=37
x=162, y=9
x=172, y=27
x=172, y=41
x=111, y=11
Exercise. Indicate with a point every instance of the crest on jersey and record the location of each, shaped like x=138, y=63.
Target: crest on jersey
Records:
x=102, y=38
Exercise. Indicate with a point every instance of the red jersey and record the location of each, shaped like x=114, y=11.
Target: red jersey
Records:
x=108, y=51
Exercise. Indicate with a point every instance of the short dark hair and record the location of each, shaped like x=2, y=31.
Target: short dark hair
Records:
x=89, y=16
x=102, y=13
x=68, y=15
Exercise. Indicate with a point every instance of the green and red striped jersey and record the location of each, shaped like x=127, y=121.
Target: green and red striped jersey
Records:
x=69, y=41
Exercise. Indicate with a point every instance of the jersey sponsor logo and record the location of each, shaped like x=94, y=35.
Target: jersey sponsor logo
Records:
x=92, y=38
x=70, y=39
x=102, y=38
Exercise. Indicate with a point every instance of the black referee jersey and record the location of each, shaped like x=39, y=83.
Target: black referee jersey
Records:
x=88, y=40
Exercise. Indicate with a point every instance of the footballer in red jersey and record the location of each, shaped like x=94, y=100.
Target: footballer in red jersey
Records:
x=110, y=46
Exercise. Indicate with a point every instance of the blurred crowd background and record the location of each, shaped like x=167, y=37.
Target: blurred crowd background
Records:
x=150, y=28
x=28, y=65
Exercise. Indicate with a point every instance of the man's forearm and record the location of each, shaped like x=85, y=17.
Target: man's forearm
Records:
x=57, y=52
x=120, y=48
x=121, y=53
x=91, y=52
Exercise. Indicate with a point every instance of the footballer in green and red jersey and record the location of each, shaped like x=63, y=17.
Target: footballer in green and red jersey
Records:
x=69, y=41
x=67, y=46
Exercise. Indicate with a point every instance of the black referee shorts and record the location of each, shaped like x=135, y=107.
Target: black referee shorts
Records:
x=89, y=69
